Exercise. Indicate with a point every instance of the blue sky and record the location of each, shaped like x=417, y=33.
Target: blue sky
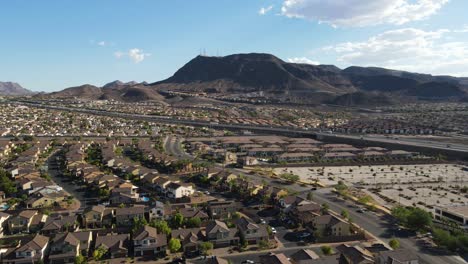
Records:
x=50, y=45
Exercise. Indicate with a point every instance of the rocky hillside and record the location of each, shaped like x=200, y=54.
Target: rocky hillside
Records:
x=13, y=89
x=240, y=74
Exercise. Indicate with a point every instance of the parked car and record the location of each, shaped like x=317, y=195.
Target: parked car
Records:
x=304, y=235
x=273, y=230
x=248, y=262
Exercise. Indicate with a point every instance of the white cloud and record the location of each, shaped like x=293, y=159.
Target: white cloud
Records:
x=303, y=60
x=136, y=55
x=102, y=43
x=407, y=49
x=265, y=10
x=352, y=13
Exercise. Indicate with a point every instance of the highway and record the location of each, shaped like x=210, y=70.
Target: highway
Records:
x=395, y=139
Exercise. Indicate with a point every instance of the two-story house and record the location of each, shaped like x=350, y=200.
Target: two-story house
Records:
x=330, y=225
x=33, y=251
x=178, y=190
x=25, y=221
x=252, y=232
x=116, y=246
x=92, y=216
x=125, y=216
x=220, y=235
x=147, y=242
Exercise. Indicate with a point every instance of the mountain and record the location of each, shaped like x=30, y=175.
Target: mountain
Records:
x=11, y=88
x=118, y=84
x=244, y=73
x=264, y=75
x=255, y=72
x=119, y=91
x=86, y=91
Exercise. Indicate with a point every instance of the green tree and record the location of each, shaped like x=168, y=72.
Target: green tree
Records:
x=394, y=243
x=177, y=220
x=6, y=184
x=418, y=219
x=325, y=208
x=174, y=245
x=80, y=259
x=412, y=217
x=99, y=253
x=345, y=214
x=193, y=222
x=326, y=250
x=263, y=244
x=205, y=247
x=138, y=222
x=289, y=177
x=161, y=226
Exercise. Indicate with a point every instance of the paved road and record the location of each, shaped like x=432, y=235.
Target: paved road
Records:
x=404, y=141
x=173, y=146
x=78, y=191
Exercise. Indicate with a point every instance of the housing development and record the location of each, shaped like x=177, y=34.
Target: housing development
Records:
x=82, y=187
x=234, y=132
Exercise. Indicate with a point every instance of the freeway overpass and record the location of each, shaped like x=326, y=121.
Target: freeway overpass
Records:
x=456, y=151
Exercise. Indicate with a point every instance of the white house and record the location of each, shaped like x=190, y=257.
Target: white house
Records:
x=179, y=190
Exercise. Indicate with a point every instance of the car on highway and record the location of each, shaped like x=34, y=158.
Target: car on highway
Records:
x=361, y=210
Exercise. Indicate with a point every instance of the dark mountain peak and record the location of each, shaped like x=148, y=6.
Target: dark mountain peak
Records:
x=118, y=84
x=253, y=72
x=113, y=84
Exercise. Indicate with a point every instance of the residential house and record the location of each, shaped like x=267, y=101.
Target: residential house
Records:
x=252, y=232
x=45, y=199
x=116, y=245
x=192, y=212
x=304, y=256
x=304, y=211
x=400, y=256
x=60, y=224
x=330, y=225
x=147, y=242
x=354, y=255
x=93, y=216
x=190, y=240
x=25, y=221
x=178, y=190
x=220, y=235
x=222, y=209
x=3, y=222
x=125, y=216
x=65, y=248
x=31, y=252
x=160, y=211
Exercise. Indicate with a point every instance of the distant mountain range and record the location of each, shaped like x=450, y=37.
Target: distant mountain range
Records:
x=13, y=89
x=116, y=90
x=244, y=73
